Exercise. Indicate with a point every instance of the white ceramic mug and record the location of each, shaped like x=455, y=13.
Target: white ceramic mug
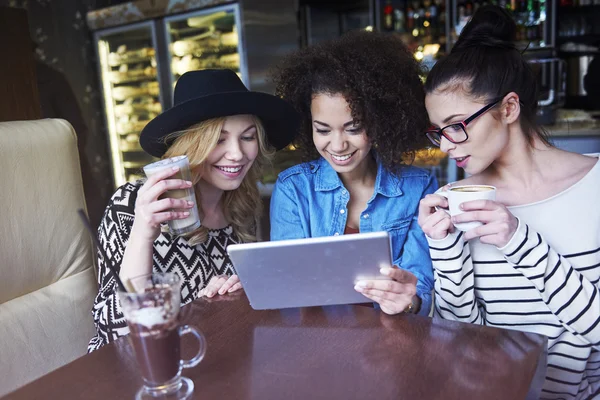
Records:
x=457, y=195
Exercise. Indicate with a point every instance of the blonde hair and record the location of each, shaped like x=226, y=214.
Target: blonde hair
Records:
x=241, y=207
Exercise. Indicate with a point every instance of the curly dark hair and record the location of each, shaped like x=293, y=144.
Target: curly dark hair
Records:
x=379, y=78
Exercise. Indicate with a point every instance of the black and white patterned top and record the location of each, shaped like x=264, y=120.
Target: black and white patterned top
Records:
x=195, y=265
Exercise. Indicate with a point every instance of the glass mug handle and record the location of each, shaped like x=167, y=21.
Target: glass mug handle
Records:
x=184, y=330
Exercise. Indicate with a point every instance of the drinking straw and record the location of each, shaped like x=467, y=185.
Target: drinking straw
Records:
x=86, y=222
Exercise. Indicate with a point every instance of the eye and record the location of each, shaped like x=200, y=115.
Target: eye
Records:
x=453, y=128
x=249, y=138
x=355, y=129
x=221, y=140
x=322, y=131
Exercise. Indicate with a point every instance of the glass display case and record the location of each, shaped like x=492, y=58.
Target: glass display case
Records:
x=204, y=39
x=130, y=83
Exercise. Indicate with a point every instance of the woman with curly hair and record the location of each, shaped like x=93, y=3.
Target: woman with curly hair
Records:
x=362, y=109
x=227, y=133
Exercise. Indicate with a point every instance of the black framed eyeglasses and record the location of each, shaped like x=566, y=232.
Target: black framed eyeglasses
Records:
x=457, y=132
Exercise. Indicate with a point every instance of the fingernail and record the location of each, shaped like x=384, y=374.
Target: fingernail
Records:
x=358, y=288
x=221, y=291
x=175, y=168
x=188, y=183
x=385, y=271
x=461, y=207
x=230, y=290
x=361, y=284
x=210, y=294
x=186, y=213
x=190, y=203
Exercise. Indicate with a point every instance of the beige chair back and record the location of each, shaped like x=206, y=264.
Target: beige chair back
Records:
x=46, y=262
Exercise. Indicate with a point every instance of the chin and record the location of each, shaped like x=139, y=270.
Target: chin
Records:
x=229, y=186
x=476, y=168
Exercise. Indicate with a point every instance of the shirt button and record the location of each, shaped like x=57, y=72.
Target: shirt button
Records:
x=336, y=234
x=342, y=211
x=366, y=216
x=344, y=191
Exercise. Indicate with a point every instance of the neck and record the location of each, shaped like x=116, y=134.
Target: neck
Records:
x=521, y=163
x=210, y=203
x=364, y=174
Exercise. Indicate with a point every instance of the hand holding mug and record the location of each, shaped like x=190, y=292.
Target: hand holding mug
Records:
x=433, y=219
x=497, y=224
x=151, y=209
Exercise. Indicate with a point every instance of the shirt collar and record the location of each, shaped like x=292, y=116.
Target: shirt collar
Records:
x=386, y=183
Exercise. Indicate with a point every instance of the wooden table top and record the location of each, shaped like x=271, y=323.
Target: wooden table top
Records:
x=335, y=352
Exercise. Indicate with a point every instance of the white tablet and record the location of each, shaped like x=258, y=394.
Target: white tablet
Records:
x=310, y=272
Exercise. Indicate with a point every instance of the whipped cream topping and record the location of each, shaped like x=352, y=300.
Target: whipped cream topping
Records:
x=148, y=316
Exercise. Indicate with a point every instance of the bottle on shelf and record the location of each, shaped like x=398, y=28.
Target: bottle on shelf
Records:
x=388, y=16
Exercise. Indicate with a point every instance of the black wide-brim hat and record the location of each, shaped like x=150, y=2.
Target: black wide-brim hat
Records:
x=212, y=93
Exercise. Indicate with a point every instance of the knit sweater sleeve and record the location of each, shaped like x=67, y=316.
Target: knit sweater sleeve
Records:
x=570, y=296
x=113, y=234
x=454, y=280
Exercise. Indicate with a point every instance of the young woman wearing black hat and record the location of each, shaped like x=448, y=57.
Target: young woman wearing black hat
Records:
x=227, y=133
x=533, y=264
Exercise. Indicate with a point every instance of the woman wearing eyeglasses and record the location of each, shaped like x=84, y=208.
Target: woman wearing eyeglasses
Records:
x=534, y=264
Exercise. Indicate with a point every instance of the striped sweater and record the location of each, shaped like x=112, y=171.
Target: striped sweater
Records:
x=545, y=280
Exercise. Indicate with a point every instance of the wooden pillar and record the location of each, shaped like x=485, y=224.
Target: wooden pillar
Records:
x=19, y=99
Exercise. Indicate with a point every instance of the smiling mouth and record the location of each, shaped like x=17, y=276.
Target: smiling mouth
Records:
x=459, y=159
x=341, y=158
x=230, y=170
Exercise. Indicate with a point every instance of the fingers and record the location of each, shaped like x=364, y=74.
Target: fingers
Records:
x=400, y=275
x=488, y=205
x=496, y=233
x=221, y=284
x=403, y=283
x=438, y=225
x=170, y=204
x=152, y=193
x=162, y=217
x=390, y=307
x=469, y=216
x=229, y=284
x=213, y=286
x=431, y=201
x=235, y=287
x=159, y=176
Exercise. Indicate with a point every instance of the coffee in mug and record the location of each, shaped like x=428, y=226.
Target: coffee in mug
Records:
x=472, y=188
x=461, y=194
x=192, y=222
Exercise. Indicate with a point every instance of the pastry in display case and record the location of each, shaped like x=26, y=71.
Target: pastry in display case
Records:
x=131, y=95
x=201, y=40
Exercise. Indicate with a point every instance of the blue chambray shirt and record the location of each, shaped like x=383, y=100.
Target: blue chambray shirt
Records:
x=309, y=200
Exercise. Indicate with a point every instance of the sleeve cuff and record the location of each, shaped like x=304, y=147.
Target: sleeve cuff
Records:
x=516, y=241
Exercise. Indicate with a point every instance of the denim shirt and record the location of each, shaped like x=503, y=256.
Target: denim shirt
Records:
x=309, y=200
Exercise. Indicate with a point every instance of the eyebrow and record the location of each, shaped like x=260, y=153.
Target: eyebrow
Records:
x=451, y=117
x=244, y=131
x=349, y=123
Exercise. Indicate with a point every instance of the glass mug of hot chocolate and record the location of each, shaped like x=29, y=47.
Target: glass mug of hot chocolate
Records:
x=151, y=310
x=457, y=195
x=192, y=222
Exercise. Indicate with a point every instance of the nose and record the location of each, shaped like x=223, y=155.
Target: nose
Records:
x=446, y=145
x=234, y=151
x=338, y=143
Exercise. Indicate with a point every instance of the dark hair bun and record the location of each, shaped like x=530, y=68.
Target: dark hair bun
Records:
x=491, y=26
